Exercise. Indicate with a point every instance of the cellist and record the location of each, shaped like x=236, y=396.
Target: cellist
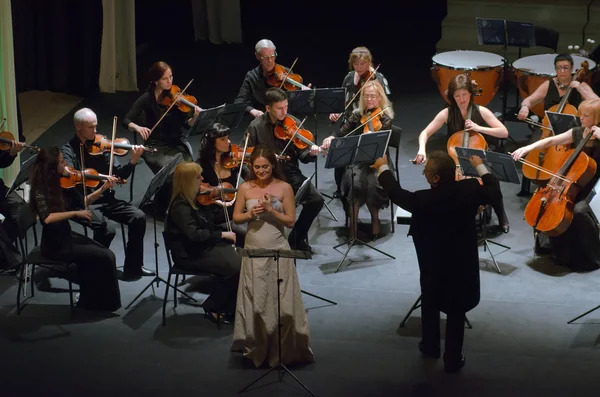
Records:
x=551, y=92
x=579, y=247
x=461, y=93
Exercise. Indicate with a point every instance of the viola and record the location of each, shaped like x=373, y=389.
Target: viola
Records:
x=72, y=177
x=184, y=102
x=279, y=77
x=366, y=77
x=208, y=195
x=374, y=124
x=122, y=146
x=285, y=130
x=7, y=139
x=552, y=157
x=233, y=158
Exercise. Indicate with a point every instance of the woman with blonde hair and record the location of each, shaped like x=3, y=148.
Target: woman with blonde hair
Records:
x=578, y=247
x=198, y=244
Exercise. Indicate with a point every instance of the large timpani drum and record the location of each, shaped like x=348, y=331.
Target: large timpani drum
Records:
x=483, y=67
x=533, y=70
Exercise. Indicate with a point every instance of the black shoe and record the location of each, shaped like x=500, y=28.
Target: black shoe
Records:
x=130, y=275
x=302, y=246
x=337, y=194
x=429, y=351
x=453, y=366
x=217, y=318
x=524, y=193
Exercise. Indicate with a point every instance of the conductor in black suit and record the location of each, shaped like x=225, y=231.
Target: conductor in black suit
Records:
x=445, y=236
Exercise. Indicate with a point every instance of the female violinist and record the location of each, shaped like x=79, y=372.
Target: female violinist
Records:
x=578, y=247
x=96, y=266
x=460, y=93
x=551, y=92
x=367, y=190
x=214, y=148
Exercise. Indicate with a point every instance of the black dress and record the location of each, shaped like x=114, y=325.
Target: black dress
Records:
x=96, y=266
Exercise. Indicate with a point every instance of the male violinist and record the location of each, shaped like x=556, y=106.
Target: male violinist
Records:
x=108, y=205
x=255, y=85
x=261, y=131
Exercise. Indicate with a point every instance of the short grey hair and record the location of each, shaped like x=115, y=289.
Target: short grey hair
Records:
x=264, y=43
x=84, y=115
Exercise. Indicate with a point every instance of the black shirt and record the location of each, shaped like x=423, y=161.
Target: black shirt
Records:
x=253, y=89
x=6, y=160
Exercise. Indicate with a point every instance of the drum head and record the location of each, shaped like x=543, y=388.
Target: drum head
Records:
x=468, y=60
x=543, y=64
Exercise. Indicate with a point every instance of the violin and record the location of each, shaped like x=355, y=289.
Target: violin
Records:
x=372, y=123
x=208, y=195
x=72, y=177
x=279, y=77
x=233, y=158
x=184, y=102
x=102, y=144
x=7, y=139
x=366, y=77
x=285, y=130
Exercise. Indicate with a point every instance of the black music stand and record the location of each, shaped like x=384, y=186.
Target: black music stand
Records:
x=417, y=305
x=502, y=166
x=562, y=122
x=206, y=118
x=157, y=182
x=232, y=114
x=23, y=175
x=276, y=254
x=347, y=152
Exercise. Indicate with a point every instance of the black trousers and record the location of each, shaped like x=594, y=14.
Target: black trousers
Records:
x=221, y=260
x=312, y=202
x=455, y=329
x=10, y=205
x=125, y=213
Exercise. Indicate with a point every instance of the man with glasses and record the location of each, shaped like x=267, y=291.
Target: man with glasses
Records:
x=443, y=229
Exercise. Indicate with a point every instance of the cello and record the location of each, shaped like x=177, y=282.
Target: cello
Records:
x=463, y=138
x=552, y=157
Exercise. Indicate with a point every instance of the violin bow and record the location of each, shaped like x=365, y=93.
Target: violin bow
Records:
x=292, y=138
x=288, y=73
x=371, y=75
x=366, y=122
x=81, y=151
x=237, y=183
x=222, y=194
x=112, y=147
x=545, y=170
x=172, y=104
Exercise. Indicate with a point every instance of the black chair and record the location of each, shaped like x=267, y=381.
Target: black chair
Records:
x=546, y=37
x=174, y=270
x=35, y=258
x=394, y=143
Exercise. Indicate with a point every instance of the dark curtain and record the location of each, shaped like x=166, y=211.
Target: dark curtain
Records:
x=57, y=45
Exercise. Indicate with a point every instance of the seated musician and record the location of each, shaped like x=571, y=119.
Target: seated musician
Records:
x=108, y=205
x=214, y=149
x=366, y=188
x=262, y=132
x=254, y=86
x=9, y=208
x=361, y=68
x=96, y=267
x=198, y=244
x=578, y=247
x=552, y=94
x=460, y=95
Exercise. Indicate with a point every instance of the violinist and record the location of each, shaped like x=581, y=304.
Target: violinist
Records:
x=261, y=131
x=579, y=247
x=108, y=205
x=461, y=91
x=367, y=190
x=198, y=244
x=551, y=92
x=214, y=148
x=9, y=208
x=254, y=86
x=96, y=267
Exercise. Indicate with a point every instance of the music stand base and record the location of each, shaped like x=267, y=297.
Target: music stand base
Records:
x=157, y=279
x=279, y=367
x=318, y=297
x=584, y=314
x=486, y=247
x=353, y=242
x=417, y=305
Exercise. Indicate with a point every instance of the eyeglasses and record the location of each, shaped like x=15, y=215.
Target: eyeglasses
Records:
x=560, y=68
x=267, y=57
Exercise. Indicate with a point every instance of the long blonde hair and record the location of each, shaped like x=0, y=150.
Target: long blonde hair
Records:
x=185, y=182
x=383, y=102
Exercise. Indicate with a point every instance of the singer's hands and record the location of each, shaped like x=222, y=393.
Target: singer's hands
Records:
x=84, y=214
x=266, y=202
x=228, y=236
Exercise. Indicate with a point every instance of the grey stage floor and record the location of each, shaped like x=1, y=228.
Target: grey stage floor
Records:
x=520, y=344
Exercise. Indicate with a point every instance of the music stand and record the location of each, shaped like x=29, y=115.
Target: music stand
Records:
x=562, y=122
x=347, y=152
x=155, y=184
x=23, y=175
x=276, y=254
x=502, y=166
x=232, y=114
x=206, y=118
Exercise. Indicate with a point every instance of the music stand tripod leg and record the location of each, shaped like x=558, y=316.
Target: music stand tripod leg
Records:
x=584, y=314
x=414, y=307
x=326, y=206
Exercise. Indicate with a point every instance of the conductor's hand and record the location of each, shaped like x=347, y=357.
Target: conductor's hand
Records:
x=84, y=214
x=379, y=162
x=421, y=158
x=228, y=236
x=475, y=161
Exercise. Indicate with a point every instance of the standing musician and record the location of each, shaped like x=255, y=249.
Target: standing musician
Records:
x=461, y=92
x=373, y=100
x=552, y=94
x=254, y=86
x=96, y=267
x=214, y=150
x=108, y=205
x=261, y=131
x=445, y=236
x=9, y=208
x=361, y=68
x=578, y=247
